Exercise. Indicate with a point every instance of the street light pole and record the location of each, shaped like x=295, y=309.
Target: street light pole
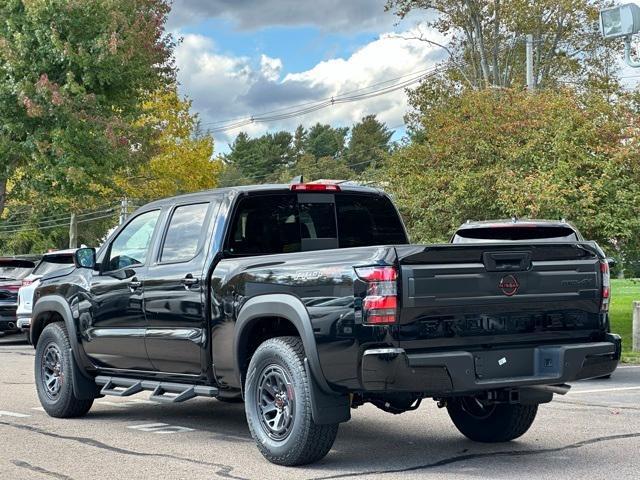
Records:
x=627, y=54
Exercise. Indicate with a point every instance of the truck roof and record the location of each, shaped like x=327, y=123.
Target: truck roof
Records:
x=276, y=187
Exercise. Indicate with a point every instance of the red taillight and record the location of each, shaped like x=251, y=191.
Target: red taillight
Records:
x=606, y=285
x=12, y=288
x=314, y=187
x=377, y=274
x=380, y=306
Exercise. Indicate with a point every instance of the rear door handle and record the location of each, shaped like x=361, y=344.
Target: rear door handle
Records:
x=190, y=281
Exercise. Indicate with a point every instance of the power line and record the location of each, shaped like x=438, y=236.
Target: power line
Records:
x=235, y=119
x=49, y=227
x=342, y=98
x=16, y=224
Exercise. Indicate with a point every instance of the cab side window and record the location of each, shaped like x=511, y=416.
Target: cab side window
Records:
x=184, y=235
x=265, y=225
x=131, y=246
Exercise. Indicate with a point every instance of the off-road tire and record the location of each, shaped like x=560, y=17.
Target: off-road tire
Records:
x=306, y=442
x=505, y=422
x=64, y=404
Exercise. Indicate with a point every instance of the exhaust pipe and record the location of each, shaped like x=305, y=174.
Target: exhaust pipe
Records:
x=559, y=389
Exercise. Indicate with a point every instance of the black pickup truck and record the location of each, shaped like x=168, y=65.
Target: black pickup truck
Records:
x=307, y=300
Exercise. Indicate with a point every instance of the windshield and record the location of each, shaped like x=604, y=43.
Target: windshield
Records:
x=52, y=264
x=514, y=233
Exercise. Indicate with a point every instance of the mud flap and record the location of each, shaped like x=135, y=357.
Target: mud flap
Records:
x=84, y=387
x=327, y=409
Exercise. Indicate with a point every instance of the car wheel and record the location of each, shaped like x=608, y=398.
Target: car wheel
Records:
x=54, y=374
x=278, y=405
x=490, y=423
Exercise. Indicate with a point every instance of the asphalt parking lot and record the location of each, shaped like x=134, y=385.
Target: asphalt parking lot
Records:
x=593, y=432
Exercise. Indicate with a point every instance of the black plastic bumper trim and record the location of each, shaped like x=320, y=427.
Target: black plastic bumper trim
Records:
x=459, y=372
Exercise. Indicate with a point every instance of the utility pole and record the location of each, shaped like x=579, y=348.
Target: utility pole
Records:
x=124, y=210
x=530, y=81
x=73, y=231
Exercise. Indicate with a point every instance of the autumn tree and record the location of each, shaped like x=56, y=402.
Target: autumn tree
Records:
x=182, y=155
x=71, y=75
x=495, y=154
x=484, y=40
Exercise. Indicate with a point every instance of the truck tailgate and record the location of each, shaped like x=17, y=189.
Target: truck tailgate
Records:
x=488, y=294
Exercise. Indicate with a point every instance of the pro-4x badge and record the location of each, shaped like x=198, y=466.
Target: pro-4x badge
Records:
x=509, y=285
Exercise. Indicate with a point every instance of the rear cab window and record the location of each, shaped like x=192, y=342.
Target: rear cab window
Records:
x=286, y=223
x=515, y=233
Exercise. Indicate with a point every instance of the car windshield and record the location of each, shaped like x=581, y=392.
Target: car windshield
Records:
x=514, y=233
x=53, y=263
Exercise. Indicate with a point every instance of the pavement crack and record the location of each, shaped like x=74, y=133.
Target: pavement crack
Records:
x=599, y=405
x=43, y=471
x=475, y=456
x=223, y=471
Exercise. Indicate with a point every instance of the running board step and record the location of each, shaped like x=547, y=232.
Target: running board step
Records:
x=166, y=392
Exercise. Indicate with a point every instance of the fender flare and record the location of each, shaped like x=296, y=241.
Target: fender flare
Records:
x=59, y=305
x=290, y=308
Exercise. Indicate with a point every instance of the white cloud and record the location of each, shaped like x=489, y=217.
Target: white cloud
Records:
x=270, y=67
x=224, y=87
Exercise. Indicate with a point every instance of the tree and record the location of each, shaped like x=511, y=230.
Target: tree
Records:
x=71, y=75
x=182, y=158
x=495, y=154
x=369, y=144
x=258, y=158
x=312, y=168
x=485, y=40
x=326, y=141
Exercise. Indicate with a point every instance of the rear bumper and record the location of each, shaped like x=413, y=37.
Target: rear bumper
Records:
x=460, y=372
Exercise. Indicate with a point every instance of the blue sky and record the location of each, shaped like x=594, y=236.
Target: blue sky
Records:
x=240, y=58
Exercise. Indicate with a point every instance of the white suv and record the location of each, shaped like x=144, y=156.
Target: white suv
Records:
x=51, y=262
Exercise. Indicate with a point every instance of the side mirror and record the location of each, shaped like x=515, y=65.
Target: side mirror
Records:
x=85, y=258
x=612, y=262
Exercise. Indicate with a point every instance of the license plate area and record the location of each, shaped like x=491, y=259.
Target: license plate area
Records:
x=505, y=363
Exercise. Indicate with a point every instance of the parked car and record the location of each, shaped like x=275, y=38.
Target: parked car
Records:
x=516, y=230
x=51, y=262
x=12, y=271
x=227, y=294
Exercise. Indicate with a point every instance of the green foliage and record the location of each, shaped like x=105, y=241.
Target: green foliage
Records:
x=495, y=154
x=325, y=141
x=322, y=152
x=257, y=158
x=369, y=145
x=623, y=294
x=71, y=75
